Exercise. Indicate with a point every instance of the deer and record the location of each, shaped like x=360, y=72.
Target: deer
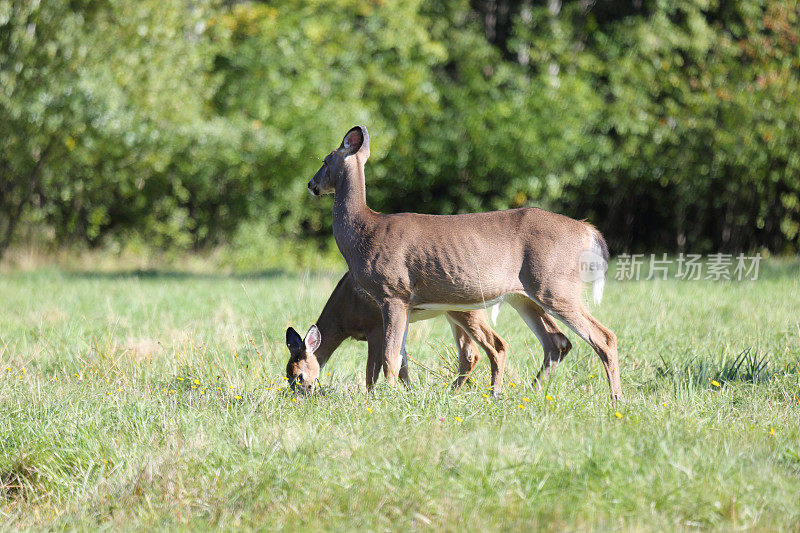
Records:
x=527, y=257
x=348, y=313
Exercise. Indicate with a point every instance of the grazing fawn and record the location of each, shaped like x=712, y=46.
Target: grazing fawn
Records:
x=349, y=313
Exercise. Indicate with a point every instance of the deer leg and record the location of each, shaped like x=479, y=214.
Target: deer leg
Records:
x=566, y=305
x=600, y=338
x=374, y=347
x=395, y=326
x=467, y=354
x=554, y=343
x=474, y=324
x=404, y=377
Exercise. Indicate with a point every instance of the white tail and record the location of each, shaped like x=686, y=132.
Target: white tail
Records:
x=529, y=257
x=599, y=250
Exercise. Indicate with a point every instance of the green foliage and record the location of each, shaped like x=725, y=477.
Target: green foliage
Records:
x=106, y=126
x=690, y=143
x=669, y=125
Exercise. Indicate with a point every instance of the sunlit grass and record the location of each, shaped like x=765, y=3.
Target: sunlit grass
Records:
x=159, y=400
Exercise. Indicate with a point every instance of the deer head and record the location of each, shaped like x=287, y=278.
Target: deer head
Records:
x=303, y=368
x=354, y=150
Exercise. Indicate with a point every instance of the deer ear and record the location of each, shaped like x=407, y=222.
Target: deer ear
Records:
x=313, y=339
x=293, y=340
x=356, y=140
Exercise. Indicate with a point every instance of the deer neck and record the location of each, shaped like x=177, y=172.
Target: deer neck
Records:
x=350, y=211
x=331, y=333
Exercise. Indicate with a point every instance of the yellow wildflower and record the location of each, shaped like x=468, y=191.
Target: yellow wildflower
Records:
x=526, y=399
x=618, y=414
x=458, y=419
x=715, y=383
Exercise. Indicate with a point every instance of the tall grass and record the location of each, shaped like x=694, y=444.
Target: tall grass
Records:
x=133, y=401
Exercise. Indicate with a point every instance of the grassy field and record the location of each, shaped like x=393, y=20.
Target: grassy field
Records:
x=133, y=401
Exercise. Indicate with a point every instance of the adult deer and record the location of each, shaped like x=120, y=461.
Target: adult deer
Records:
x=526, y=257
x=350, y=313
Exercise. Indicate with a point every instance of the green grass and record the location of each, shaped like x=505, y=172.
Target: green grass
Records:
x=102, y=424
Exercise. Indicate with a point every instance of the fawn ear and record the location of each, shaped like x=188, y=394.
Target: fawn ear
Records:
x=313, y=339
x=356, y=140
x=293, y=340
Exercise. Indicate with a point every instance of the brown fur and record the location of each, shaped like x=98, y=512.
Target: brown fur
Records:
x=409, y=261
x=350, y=314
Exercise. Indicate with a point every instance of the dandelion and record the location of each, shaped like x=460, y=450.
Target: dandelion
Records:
x=618, y=414
x=196, y=381
x=664, y=404
x=458, y=419
x=591, y=376
x=526, y=400
x=486, y=396
x=513, y=384
x=294, y=400
x=179, y=378
x=548, y=398
x=230, y=386
x=119, y=390
x=369, y=409
x=24, y=371
x=772, y=431
x=172, y=391
x=194, y=386
x=76, y=374
x=715, y=383
x=521, y=406
x=239, y=398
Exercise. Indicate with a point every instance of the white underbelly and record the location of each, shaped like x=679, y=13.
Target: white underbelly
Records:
x=418, y=315
x=461, y=307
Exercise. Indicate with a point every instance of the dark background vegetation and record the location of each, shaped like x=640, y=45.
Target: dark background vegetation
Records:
x=178, y=124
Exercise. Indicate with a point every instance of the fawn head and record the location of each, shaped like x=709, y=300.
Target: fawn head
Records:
x=303, y=367
x=335, y=165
